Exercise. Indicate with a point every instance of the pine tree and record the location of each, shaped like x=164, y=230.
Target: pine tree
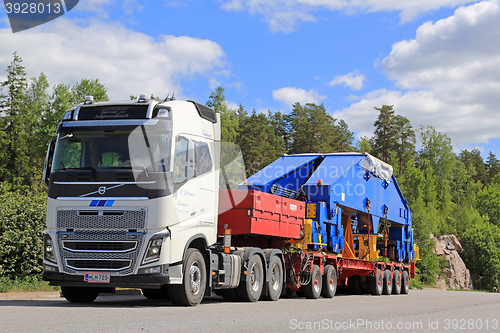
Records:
x=344, y=138
x=259, y=143
x=405, y=141
x=492, y=166
x=385, y=137
x=15, y=168
x=313, y=130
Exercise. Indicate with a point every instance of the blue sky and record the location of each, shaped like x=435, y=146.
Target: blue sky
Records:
x=436, y=61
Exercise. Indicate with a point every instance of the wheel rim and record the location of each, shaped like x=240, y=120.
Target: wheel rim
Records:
x=255, y=277
x=331, y=281
x=275, y=277
x=195, y=278
x=317, y=286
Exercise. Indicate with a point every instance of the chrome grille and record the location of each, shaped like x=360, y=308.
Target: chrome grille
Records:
x=120, y=263
x=95, y=246
x=106, y=219
x=98, y=265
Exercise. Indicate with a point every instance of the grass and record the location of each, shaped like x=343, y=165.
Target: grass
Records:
x=26, y=284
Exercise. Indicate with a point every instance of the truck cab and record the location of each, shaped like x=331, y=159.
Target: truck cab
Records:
x=133, y=195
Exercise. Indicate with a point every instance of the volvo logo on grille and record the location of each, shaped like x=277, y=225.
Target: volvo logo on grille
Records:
x=102, y=190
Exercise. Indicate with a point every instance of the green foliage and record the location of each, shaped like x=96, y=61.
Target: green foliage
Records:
x=313, y=130
x=259, y=142
x=22, y=217
x=27, y=283
x=488, y=201
x=229, y=119
x=30, y=120
x=481, y=251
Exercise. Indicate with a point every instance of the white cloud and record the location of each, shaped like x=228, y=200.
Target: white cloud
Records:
x=232, y=105
x=353, y=80
x=449, y=77
x=290, y=96
x=285, y=15
x=126, y=61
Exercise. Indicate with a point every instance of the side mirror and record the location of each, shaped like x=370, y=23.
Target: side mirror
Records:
x=47, y=166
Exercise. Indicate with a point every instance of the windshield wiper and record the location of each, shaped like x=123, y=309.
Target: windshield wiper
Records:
x=67, y=136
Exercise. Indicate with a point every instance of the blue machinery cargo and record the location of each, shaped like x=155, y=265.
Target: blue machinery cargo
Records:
x=356, y=220
x=335, y=184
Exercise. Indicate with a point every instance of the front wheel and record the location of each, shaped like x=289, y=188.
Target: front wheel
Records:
x=80, y=294
x=194, y=281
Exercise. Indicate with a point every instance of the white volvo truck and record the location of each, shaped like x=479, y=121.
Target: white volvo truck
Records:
x=133, y=197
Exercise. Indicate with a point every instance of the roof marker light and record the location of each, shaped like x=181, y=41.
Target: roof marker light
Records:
x=142, y=98
x=89, y=100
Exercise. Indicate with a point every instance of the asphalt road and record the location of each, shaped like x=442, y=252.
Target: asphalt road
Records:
x=420, y=311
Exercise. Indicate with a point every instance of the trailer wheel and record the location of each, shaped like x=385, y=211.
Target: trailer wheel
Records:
x=275, y=281
x=329, y=282
x=251, y=289
x=377, y=284
x=80, y=294
x=312, y=290
x=194, y=281
x=387, y=282
x=396, y=283
x=405, y=283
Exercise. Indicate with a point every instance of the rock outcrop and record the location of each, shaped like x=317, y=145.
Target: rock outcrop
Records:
x=457, y=276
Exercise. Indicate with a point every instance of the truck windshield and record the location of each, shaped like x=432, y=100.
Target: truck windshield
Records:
x=143, y=149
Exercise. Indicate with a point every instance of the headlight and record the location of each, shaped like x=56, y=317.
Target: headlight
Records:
x=154, y=248
x=48, y=248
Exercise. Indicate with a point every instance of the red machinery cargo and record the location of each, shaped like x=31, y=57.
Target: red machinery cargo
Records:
x=259, y=213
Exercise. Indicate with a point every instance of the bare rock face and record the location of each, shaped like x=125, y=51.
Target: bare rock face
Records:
x=457, y=274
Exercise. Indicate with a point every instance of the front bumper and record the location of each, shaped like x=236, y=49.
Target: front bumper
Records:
x=132, y=281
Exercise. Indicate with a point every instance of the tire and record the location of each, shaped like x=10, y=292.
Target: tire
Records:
x=355, y=285
x=194, y=281
x=396, y=283
x=329, y=282
x=251, y=289
x=155, y=293
x=405, y=283
x=387, y=282
x=80, y=294
x=275, y=280
x=312, y=290
x=377, y=284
